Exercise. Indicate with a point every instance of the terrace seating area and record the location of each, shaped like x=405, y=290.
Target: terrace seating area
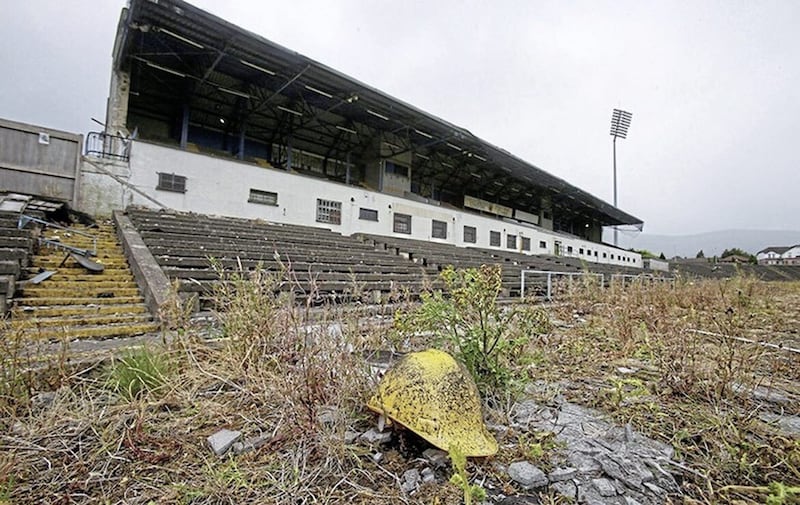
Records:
x=706, y=269
x=16, y=248
x=195, y=250
x=440, y=255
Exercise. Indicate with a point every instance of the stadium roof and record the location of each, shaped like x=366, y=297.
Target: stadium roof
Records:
x=175, y=50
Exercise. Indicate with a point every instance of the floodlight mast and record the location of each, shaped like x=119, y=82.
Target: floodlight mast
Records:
x=620, y=122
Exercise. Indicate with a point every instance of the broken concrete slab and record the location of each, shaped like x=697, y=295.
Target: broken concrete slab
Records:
x=527, y=475
x=222, y=440
x=373, y=436
x=410, y=481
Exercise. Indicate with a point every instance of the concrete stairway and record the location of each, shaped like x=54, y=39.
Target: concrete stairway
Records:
x=75, y=303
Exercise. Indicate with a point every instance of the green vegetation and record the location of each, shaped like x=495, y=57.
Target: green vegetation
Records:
x=139, y=372
x=489, y=339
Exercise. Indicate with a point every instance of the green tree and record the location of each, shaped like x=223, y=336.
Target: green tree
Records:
x=700, y=254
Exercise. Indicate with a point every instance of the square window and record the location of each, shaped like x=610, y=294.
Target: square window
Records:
x=394, y=168
x=542, y=244
x=526, y=244
x=494, y=238
x=511, y=241
x=569, y=249
x=580, y=251
x=329, y=211
x=605, y=255
x=368, y=214
x=171, y=182
x=439, y=229
x=595, y=254
x=470, y=234
x=402, y=223
x=263, y=197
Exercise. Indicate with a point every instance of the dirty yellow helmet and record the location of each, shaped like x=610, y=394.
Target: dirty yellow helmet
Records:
x=431, y=394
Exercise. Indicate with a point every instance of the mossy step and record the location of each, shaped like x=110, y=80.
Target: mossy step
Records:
x=57, y=301
x=100, y=331
x=54, y=263
x=80, y=275
x=77, y=310
x=79, y=320
x=96, y=282
x=80, y=291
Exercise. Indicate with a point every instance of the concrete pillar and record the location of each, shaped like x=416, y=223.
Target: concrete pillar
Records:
x=117, y=109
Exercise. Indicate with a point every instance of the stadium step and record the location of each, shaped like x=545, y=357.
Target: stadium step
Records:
x=74, y=303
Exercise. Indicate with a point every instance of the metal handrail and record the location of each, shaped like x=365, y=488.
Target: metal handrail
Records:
x=106, y=145
x=25, y=219
x=550, y=274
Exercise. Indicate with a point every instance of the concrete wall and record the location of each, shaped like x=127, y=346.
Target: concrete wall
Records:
x=221, y=186
x=39, y=161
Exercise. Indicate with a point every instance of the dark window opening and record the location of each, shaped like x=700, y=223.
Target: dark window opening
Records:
x=439, y=229
x=526, y=244
x=263, y=197
x=494, y=238
x=511, y=241
x=470, y=234
x=402, y=223
x=368, y=214
x=329, y=211
x=171, y=182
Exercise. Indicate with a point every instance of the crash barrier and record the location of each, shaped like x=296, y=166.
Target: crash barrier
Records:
x=641, y=279
x=550, y=281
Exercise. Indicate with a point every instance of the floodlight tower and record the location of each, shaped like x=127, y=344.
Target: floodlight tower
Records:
x=620, y=121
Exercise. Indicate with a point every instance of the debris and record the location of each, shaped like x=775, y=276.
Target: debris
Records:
x=251, y=444
x=605, y=487
x=350, y=437
x=222, y=440
x=562, y=474
x=377, y=457
x=373, y=436
x=411, y=481
x=41, y=277
x=527, y=475
x=427, y=475
x=436, y=457
x=789, y=425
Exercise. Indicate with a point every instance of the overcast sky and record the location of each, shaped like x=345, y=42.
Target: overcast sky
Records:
x=714, y=87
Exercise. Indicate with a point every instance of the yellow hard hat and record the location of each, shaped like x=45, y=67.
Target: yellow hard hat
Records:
x=431, y=394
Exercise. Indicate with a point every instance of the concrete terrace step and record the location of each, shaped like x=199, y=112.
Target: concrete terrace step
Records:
x=57, y=301
x=67, y=321
x=80, y=292
x=81, y=309
x=101, y=331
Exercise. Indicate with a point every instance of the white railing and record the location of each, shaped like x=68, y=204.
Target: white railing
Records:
x=550, y=276
x=641, y=279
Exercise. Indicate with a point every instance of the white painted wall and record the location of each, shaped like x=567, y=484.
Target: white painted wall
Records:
x=221, y=186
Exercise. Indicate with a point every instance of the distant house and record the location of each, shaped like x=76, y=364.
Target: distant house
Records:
x=779, y=255
x=735, y=258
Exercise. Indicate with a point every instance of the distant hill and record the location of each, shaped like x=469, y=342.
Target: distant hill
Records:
x=711, y=243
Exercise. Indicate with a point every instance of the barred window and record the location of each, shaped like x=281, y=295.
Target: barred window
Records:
x=511, y=241
x=402, y=223
x=263, y=197
x=439, y=229
x=171, y=182
x=526, y=244
x=494, y=238
x=329, y=211
x=470, y=234
x=368, y=214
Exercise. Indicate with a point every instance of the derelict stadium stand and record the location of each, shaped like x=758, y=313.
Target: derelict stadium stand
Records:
x=313, y=261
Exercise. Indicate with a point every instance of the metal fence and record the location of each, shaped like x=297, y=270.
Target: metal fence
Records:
x=641, y=279
x=547, y=282
x=104, y=145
